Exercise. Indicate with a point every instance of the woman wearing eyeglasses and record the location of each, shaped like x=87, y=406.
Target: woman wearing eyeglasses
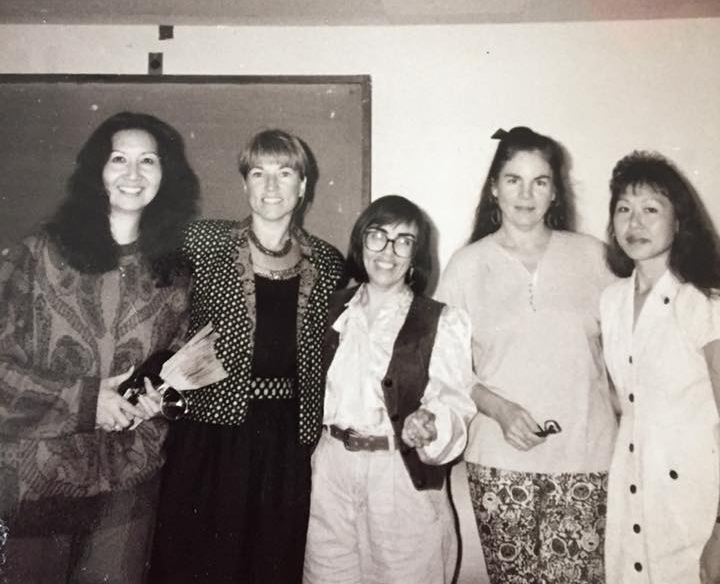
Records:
x=83, y=301
x=396, y=408
x=539, y=451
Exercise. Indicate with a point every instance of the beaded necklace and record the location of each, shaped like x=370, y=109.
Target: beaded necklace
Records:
x=283, y=251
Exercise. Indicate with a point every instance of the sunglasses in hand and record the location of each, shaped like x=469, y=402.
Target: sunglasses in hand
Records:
x=549, y=427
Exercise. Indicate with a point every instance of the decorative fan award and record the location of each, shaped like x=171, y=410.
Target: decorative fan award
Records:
x=192, y=367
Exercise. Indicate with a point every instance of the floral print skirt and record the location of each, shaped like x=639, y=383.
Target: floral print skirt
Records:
x=540, y=528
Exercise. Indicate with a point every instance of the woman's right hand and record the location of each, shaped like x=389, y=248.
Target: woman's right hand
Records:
x=114, y=412
x=517, y=424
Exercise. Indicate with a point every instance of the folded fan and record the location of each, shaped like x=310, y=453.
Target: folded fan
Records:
x=195, y=364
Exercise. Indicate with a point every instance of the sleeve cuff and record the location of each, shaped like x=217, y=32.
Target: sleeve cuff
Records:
x=450, y=440
x=87, y=412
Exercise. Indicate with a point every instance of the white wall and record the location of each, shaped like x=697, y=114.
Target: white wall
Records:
x=438, y=94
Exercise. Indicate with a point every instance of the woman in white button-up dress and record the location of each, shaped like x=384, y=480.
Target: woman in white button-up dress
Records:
x=661, y=333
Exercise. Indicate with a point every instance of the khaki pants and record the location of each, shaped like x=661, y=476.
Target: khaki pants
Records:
x=369, y=525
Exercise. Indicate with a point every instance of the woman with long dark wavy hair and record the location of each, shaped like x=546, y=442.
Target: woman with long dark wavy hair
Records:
x=661, y=333
x=93, y=294
x=539, y=450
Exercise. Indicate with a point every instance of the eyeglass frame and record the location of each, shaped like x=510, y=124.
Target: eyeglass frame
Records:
x=373, y=229
x=548, y=428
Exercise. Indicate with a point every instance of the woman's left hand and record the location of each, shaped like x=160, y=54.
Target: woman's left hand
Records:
x=419, y=428
x=710, y=558
x=149, y=403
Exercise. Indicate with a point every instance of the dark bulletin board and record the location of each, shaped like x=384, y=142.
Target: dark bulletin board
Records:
x=47, y=118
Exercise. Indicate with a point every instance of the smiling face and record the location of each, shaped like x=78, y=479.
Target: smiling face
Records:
x=274, y=189
x=133, y=173
x=385, y=269
x=644, y=223
x=524, y=190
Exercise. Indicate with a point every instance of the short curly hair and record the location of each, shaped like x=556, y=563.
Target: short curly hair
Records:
x=695, y=253
x=81, y=225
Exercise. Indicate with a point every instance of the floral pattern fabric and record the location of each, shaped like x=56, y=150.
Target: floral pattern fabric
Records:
x=540, y=528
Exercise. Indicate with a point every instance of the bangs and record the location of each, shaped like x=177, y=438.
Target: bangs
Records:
x=389, y=219
x=277, y=147
x=275, y=157
x=659, y=188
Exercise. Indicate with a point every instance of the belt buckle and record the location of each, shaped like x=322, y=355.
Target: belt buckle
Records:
x=350, y=440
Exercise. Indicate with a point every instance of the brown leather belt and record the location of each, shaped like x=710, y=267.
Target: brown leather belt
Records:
x=354, y=441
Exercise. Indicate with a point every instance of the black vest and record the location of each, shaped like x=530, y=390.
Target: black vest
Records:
x=406, y=377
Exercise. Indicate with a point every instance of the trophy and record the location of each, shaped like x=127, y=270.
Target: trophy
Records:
x=192, y=367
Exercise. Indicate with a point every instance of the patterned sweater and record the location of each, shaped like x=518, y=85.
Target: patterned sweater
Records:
x=61, y=332
x=224, y=294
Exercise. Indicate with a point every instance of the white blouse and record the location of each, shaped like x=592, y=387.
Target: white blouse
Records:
x=536, y=342
x=354, y=396
x=664, y=485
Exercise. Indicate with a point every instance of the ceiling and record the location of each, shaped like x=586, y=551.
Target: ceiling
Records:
x=344, y=12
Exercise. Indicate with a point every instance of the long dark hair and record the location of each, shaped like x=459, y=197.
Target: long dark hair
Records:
x=695, y=253
x=81, y=225
x=390, y=210
x=488, y=217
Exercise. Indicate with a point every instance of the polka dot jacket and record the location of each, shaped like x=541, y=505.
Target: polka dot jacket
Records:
x=224, y=294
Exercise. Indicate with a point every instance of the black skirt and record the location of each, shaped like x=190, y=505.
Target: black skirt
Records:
x=234, y=501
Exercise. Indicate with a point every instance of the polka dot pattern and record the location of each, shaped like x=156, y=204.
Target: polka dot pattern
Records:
x=272, y=388
x=224, y=294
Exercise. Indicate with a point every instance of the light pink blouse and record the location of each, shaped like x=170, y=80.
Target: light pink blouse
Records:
x=536, y=341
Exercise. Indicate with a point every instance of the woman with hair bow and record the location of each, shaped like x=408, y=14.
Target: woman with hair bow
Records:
x=539, y=450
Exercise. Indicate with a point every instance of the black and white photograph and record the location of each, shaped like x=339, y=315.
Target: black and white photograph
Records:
x=360, y=292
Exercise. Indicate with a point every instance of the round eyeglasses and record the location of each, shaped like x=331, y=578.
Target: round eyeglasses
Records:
x=548, y=428
x=403, y=246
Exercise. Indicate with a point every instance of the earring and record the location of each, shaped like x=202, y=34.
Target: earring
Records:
x=552, y=220
x=410, y=274
x=496, y=217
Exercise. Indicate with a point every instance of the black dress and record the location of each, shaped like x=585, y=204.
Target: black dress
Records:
x=235, y=498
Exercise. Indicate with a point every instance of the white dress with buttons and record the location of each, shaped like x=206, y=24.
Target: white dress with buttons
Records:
x=663, y=491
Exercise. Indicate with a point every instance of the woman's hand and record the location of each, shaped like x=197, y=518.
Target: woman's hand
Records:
x=517, y=424
x=419, y=428
x=710, y=558
x=150, y=403
x=113, y=411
